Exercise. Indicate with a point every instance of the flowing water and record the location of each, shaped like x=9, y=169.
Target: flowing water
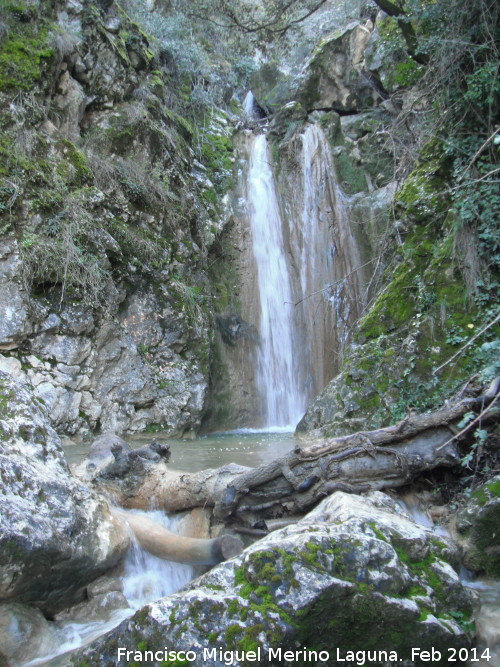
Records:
x=328, y=262
x=302, y=278
x=310, y=288
x=283, y=400
x=145, y=578
x=488, y=617
x=249, y=104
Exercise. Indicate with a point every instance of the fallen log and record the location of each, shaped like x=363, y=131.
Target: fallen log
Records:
x=379, y=459
x=161, y=542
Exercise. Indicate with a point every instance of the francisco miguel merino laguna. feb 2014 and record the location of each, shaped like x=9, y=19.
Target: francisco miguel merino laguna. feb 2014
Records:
x=219, y=655
x=358, y=658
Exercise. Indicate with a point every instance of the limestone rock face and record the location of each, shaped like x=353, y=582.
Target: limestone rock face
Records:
x=478, y=522
x=117, y=373
x=332, y=79
x=14, y=323
x=100, y=313
x=55, y=535
x=356, y=573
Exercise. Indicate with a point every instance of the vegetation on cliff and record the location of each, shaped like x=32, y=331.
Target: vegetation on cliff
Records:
x=434, y=324
x=107, y=176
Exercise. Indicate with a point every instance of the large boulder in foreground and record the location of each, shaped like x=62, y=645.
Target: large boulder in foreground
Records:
x=55, y=535
x=355, y=574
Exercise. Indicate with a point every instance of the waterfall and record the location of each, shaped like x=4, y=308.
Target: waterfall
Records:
x=296, y=261
x=248, y=104
x=327, y=258
x=276, y=380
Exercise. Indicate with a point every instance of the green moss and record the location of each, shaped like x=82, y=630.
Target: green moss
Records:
x=78, y=161
x=350, y=176
x=486, y=538
x=379, y=534
x=233, y=607
x=178, y=662
x=252, y=588
x=484, y=493
x=23, y=61
x=423, y=192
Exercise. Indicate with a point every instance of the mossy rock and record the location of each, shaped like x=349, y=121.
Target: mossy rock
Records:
x=422, y=193
x=479, y=522
x=24, y=60
x=271, y=87
x=373, y=580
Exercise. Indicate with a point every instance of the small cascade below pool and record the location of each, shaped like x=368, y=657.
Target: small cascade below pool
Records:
x=145, y=578
x=488, y=591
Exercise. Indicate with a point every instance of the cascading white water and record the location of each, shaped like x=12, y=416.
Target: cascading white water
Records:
x=248, y=104
x=145, y=578
x=300, y=280
x=327, y=257
x=277, y=383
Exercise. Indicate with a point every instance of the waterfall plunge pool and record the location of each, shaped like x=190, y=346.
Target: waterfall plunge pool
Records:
x=246, y=447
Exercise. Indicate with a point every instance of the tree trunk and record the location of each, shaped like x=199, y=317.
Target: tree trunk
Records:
x=291, y=485
x=167, y=545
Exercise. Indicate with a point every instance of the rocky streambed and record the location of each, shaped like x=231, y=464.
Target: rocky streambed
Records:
x=355, y=574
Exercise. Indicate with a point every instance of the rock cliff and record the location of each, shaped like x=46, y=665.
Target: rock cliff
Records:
x=104, y=226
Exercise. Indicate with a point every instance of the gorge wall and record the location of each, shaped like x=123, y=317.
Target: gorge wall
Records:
x=129, y=294
x=104, y=226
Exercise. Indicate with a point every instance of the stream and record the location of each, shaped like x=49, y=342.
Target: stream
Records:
x=488, y=591
x=296, y=255
x=145, y=578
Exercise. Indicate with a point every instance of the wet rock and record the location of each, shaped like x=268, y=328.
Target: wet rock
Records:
x=105, y=448
x=99, y=608
x=110, y=457
x=478, y=523
x=104, y=585
x=355, y=572
x=24, y=634
x=55, y=535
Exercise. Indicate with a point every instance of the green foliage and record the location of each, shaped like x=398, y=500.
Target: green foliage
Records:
x=67, y=256
x=189, y=299
x=407, y=73
x=26, y=49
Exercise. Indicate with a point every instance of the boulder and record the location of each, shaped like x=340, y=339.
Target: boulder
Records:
x=24, y=634
x=478, y=523
x=356, y=574
x=55, y=534
x=334, y=77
